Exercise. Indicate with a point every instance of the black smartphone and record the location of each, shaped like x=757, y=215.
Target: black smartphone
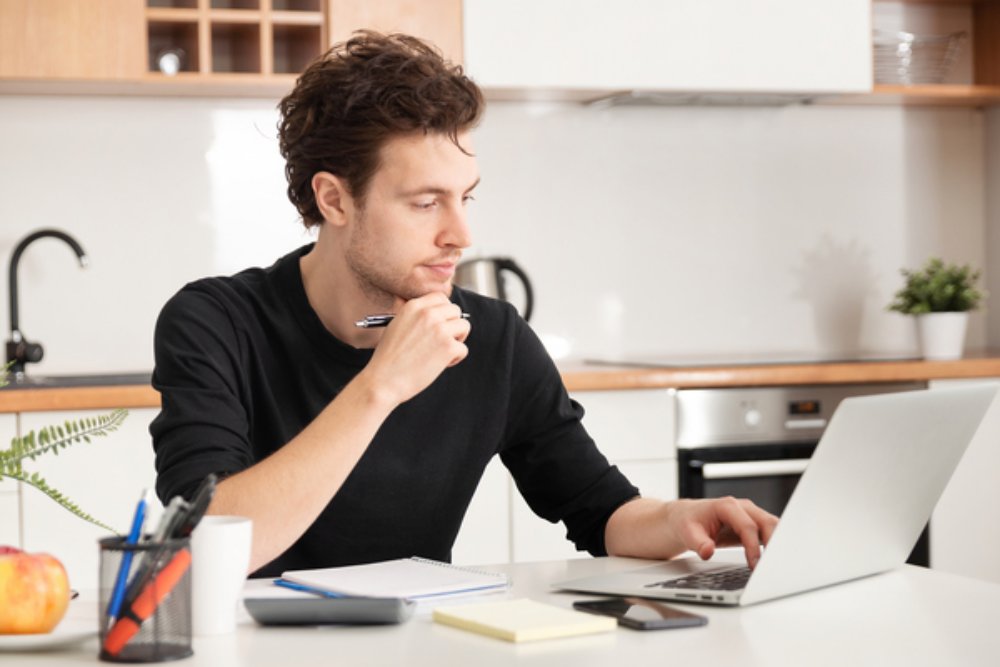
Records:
x=641, y=614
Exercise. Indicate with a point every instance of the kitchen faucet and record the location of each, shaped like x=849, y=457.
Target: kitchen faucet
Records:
x=19, y=350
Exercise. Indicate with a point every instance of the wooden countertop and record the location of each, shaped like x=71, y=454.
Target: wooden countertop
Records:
x=581, y=376
x=78, y=398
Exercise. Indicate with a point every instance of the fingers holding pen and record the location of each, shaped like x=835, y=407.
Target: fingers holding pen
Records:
x=433, y=313
x=425, y=336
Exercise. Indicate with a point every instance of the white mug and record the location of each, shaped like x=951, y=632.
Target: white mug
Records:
x=220, y=558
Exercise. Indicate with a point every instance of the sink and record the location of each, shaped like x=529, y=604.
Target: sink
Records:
x=96, y=380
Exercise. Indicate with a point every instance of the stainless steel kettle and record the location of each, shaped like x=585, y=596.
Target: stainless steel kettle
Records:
x=485, y=276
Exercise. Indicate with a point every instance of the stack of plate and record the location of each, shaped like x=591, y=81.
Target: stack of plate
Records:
x=909, y=59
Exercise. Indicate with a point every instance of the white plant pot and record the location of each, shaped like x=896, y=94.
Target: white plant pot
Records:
x=942, y=335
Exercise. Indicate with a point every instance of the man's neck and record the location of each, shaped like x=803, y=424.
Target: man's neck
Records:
x=336, y=299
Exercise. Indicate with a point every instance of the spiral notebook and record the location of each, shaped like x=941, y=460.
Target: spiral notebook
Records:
x=413, y=578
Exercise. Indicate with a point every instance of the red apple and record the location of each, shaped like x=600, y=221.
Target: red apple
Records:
x=34, y=592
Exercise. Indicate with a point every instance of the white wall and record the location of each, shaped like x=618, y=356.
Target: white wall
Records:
x=646, y=230
x=721, y=230
x=158, y=192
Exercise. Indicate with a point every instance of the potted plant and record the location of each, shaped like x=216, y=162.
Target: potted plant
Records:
x=51, y=439
x=940, y=297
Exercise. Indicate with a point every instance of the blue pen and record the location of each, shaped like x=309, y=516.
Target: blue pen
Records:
x=118, y=594
x=306, y=589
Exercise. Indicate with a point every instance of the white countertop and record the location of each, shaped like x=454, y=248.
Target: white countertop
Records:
x=910, y=617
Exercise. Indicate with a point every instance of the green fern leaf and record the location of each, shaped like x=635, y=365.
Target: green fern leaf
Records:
x=50, y=440
x=36, y=481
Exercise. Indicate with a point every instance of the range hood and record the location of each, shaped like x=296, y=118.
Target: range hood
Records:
x=700, y=98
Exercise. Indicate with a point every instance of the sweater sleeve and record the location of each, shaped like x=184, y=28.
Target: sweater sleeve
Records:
x=203, y=425
x=554, y=462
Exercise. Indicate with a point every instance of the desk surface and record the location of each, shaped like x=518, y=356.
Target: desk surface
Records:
x=907, y=617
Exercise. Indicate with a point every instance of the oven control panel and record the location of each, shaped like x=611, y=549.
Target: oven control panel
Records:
x=751, y=415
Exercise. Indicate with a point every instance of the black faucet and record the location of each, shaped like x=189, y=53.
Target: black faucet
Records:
x=19, y=350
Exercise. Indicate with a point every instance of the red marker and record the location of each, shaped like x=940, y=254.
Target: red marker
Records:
x=146, y=603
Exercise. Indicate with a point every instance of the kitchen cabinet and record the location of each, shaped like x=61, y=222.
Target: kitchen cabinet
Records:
x=10, y=507
x=234, y=38
x=635, y=430
x=965, y=526
x=59, y=40
x=437, y=21
x=105, y=477
x=585, y=48
x=194, y=47
x=485, y=533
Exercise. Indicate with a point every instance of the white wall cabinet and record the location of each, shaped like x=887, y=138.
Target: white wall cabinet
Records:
x=105, y=477
x=10, y=513
x=760, y=46
x=485, y=533
x=635, y=430
x=965, y=526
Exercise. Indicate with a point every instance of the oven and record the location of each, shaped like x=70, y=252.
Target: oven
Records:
x=755, y=442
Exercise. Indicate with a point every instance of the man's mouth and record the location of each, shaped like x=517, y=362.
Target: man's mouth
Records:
x=444, y=270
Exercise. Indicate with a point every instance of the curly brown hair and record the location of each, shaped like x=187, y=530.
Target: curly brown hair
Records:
x=358, y=95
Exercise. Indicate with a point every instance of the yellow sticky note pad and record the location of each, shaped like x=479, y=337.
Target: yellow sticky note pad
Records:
x=522, y=620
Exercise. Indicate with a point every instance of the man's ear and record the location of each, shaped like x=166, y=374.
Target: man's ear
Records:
x=332, y=197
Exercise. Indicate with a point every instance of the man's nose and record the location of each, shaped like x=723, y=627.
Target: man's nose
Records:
x=456, y=232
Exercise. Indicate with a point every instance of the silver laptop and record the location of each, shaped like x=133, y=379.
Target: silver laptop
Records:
x=858, y=509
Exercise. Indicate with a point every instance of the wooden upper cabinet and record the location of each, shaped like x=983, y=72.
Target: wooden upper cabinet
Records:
x=217, y=47
x=69, y=39
x=436, y=21
x=986, y=40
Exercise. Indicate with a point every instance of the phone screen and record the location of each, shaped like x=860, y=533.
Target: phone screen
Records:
x=642, y=614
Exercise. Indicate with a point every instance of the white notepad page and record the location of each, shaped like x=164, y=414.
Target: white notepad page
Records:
x=402, y=578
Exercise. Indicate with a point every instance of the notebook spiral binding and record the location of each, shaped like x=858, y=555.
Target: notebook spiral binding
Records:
x=462, y=568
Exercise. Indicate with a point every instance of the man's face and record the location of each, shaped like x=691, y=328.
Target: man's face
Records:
x=409, y=235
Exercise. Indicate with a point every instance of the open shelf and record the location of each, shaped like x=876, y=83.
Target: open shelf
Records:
x=224, y=38
x=177, y=37
x=984, y=88
x=236, y=47
x=295, y=46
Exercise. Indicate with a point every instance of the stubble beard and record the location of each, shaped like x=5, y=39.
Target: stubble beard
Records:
x=371, y=275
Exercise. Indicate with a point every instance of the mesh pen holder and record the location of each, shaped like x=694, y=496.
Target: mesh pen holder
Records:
x=153, y=623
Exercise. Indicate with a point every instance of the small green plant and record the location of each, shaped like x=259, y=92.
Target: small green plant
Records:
x=938, y=288
x=52, y=439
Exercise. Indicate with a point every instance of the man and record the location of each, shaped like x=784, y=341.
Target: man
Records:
x=348, y=444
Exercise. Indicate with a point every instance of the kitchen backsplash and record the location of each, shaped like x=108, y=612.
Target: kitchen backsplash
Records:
x=686, y=230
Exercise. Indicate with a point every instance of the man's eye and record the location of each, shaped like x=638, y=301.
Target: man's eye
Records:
x=425, y=205
x=467, y=198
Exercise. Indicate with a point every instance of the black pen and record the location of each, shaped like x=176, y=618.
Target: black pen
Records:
x=375, y=321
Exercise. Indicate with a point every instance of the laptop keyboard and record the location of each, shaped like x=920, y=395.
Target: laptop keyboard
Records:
x=719, y=580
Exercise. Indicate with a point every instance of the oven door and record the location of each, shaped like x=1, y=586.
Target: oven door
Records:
x=764, y=473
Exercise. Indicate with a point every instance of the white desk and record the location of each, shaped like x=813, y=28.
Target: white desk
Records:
x=908, y=617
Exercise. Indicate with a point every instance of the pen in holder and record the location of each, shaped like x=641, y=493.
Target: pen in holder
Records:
x=154, y=621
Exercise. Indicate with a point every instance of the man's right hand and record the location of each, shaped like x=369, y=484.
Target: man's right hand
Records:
x=426, y=336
